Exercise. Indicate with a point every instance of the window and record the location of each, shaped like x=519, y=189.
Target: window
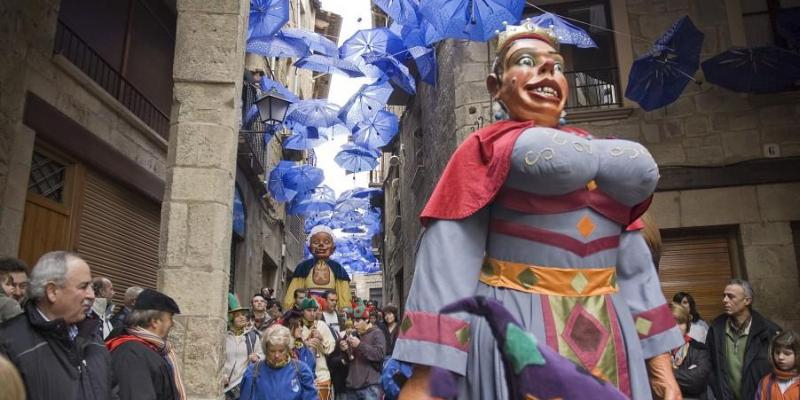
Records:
x=593, y=74
x=47, y=177
x=771, y=22
x=126, y=47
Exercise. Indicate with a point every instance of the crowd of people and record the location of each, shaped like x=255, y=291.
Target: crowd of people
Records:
x=62, y=337
x=315, y=349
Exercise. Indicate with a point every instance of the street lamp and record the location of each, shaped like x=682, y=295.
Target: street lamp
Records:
x=272, y=107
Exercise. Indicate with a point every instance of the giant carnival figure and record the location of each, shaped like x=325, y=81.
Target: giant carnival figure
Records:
x=546, y=220
x=320, y=274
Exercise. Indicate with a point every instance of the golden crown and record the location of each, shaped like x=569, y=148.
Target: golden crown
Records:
x=527, y=29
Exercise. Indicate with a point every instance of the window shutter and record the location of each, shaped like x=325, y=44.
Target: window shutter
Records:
x=699, y=263
x=118, y=234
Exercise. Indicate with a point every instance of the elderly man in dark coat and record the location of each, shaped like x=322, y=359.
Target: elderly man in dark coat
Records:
x=52, y=343
x=145, y=368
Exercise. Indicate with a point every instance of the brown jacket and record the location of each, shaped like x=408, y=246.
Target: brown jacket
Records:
x=365, y=368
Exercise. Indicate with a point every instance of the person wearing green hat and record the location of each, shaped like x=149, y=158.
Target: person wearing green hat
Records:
x=242, y=347
x=366, y=351
x=318, y=337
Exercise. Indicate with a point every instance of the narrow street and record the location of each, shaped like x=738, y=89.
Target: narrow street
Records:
x=413, y=199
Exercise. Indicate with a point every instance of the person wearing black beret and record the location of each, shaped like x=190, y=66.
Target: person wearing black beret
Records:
x=144, y=365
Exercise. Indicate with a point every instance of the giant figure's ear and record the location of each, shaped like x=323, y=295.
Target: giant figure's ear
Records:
x=493, y=85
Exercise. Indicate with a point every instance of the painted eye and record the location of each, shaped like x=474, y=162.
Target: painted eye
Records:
x=559, y=67
x=526, y=61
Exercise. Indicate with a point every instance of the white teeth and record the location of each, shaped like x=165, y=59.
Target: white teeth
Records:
x=546, y=91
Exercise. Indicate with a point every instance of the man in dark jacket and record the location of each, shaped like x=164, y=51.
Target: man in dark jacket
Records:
x=118, y=320
x=366, y=351
x=738, y=342
x=145, y=368
x=52, y=343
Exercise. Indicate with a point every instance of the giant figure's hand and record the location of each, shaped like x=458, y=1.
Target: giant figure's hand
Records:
x=416, y=388
x=662, y=380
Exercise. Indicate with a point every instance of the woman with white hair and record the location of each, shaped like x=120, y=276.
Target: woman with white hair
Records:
x=278, y=377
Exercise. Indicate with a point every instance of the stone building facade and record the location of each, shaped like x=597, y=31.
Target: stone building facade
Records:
x=722, y=181
x=132, y=158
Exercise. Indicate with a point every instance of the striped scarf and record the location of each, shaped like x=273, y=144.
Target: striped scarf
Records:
x=162, y=347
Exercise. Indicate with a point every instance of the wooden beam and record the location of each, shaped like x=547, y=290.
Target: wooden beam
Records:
x=63, y=133
x=753, y=172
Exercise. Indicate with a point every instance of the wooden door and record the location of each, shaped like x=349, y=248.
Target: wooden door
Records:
x=700, y=262
x=48, y=222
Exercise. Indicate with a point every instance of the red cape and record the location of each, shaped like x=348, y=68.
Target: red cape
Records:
x=477, y=170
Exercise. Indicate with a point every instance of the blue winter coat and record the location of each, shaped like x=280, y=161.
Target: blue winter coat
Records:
x=295, y=381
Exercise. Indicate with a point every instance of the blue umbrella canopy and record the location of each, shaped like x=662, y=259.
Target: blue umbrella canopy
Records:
x=402, y=11
x=315, y=42
x=376, y=41
x=304, y=138
x=396, y=71
x=360, y=193
x=316, y=112
x=276, y=184
x=329, y=65
x=266, y=17
x=277, y=46
x=316, y=200
x=424, y=30
x=764, y=69
x=320, y=218
x=377, y=130
x=270, y=86
x=566, y=32
x=347, y=204
x=477, y=20
x=425, y=59
x=366, y=102
x=302, y=178
x=355, y=158
x=659, y=77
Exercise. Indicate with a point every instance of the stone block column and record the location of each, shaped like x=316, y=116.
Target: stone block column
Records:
x=201, y=163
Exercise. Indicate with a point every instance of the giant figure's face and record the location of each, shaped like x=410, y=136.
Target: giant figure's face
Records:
x=321, y=245
x=533, y=86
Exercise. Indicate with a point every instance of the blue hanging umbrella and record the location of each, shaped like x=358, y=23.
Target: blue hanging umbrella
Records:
x=758, y=70
x=659, y=77
x=316, y=112
x=302, y=178
x=320, y=218
x=360, y=193
x=396, y=71
x=377, y=131
x=425, y=59
x=315, y=42
x=277, y=46
x=317, y=200
x=402, y=11
x=304, y=138
x=276, y=184
x=380, y=41
x=566, y=32
x=270, y=86
x=366, y=102
x=347, y=204
x=266, y=17
x=355, y=158
x=477, y=20
x=329, y=65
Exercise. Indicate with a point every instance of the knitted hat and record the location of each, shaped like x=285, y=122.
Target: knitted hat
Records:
x=151, y=299
x=360, y=312
x=309, y=303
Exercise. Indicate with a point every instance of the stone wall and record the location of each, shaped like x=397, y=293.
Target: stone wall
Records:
x=27, y=38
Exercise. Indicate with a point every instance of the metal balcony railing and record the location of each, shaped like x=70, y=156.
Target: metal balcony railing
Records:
x=593, y=88
x=251, y=133
x=79, y=53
